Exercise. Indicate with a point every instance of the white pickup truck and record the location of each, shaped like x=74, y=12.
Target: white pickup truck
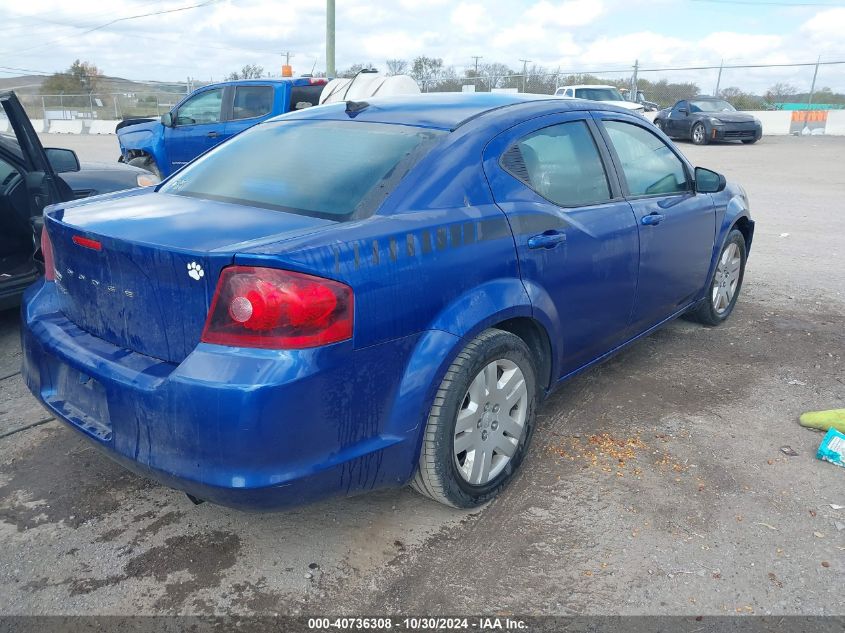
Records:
x=596, y=92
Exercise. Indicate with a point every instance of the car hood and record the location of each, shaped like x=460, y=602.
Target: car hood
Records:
x=118, y=167
x=147, y=126
x=628, y=105
x=731, y=117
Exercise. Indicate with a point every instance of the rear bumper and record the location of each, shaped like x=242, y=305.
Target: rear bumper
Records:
x=256, y=429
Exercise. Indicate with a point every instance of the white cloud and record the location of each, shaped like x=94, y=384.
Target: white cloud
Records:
x=575, y=35
x=568, y=13
x=471, y=18
x=730, y=45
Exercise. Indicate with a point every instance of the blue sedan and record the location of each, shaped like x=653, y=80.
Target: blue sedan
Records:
x=372, y=294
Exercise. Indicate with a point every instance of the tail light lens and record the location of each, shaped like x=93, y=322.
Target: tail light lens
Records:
x=277, y=309
x=47, y=254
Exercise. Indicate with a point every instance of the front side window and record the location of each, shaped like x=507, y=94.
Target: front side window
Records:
x=252, y=101
x=561, y=163
x=649, y=165
x=202, y=108
x=339, y=170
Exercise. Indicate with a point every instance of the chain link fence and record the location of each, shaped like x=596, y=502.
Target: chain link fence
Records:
x=98, y=106
x=748, y=87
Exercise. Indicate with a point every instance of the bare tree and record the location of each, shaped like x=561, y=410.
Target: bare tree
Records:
x=426, y=70
x=250, y=71
x=396, y=66
x=780, y=92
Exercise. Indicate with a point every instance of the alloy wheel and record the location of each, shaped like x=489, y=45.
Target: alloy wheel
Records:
x=726, y=279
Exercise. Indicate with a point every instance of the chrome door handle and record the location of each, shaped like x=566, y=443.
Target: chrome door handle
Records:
x=548, y=239
x=652, y=219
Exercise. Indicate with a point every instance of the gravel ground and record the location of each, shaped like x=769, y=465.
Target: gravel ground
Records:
x=656, y=484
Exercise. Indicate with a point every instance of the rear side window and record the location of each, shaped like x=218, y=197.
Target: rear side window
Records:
x=305, y=96
x=561, y=163
x=650, y=166
x=338, y=170
x=252, y=101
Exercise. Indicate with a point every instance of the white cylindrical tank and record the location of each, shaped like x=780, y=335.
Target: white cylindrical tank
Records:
x=368, y=84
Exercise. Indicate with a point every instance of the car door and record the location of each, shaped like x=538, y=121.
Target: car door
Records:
x=576, y=236
x=676, y=122
x=197, y=125
x=252, y=104
x=43, y=185
x=677, y=226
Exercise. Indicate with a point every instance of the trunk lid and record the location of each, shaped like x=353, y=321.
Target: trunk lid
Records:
x=148, y=286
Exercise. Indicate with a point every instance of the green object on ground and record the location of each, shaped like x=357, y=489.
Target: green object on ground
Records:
x=824, y=420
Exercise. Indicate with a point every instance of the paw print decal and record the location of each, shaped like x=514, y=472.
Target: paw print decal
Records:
x=195, y=271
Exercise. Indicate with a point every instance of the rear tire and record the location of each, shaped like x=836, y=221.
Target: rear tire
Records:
x=487, y=398
x=146, y=162
x=724, y=287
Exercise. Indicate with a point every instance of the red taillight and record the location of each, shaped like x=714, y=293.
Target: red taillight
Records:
x=277, y=309
x=87, y=242
x=317, y=81
x=47, y=255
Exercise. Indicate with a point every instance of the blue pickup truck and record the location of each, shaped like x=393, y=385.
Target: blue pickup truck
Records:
x=209, y=116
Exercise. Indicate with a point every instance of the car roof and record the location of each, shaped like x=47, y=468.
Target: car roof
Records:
x=297, y=81
x=446, y=111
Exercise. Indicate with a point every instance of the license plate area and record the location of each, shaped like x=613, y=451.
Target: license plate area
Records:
x=81, y=400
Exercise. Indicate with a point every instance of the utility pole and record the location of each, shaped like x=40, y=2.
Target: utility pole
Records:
x=524, y=71
x=476, y=58
x=287, y=71
x=475, y=76
x=719, y=78
x=634, y=96
x=330, y=69
x=812, y=91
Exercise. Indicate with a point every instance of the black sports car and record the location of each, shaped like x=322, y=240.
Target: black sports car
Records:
x=706, y=119
x=32, y=177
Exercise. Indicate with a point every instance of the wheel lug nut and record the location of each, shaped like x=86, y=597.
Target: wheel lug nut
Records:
x=496, y=409
x=483, y=435
x=487, y=406
x=494, y=425
x=479, y=424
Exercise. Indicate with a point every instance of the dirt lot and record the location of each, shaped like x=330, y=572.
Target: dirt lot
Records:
x=656, y=484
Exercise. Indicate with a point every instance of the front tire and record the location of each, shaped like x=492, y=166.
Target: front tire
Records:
x=699, y=134
x=726, y=283
x=146, y=162
x=481, y=422
x=749, y=141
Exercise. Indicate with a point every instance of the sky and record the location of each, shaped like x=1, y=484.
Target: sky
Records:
x=209, y=41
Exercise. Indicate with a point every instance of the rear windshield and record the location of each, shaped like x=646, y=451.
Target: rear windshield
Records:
x=599, y=94
x=339, y=170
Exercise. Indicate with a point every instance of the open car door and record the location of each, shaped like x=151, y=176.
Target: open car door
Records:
x=42, y=184
x=28, y=184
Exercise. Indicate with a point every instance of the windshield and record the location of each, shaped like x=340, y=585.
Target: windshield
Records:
x=338, y=170
x=599, y=94
x=711, y=105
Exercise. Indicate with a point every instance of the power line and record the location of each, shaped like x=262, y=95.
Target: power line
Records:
x=772, y=3
x=111, y=22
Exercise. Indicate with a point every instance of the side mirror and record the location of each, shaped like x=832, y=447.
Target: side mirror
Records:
x=167, y=119
x=62, y=160
x=707, y=181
